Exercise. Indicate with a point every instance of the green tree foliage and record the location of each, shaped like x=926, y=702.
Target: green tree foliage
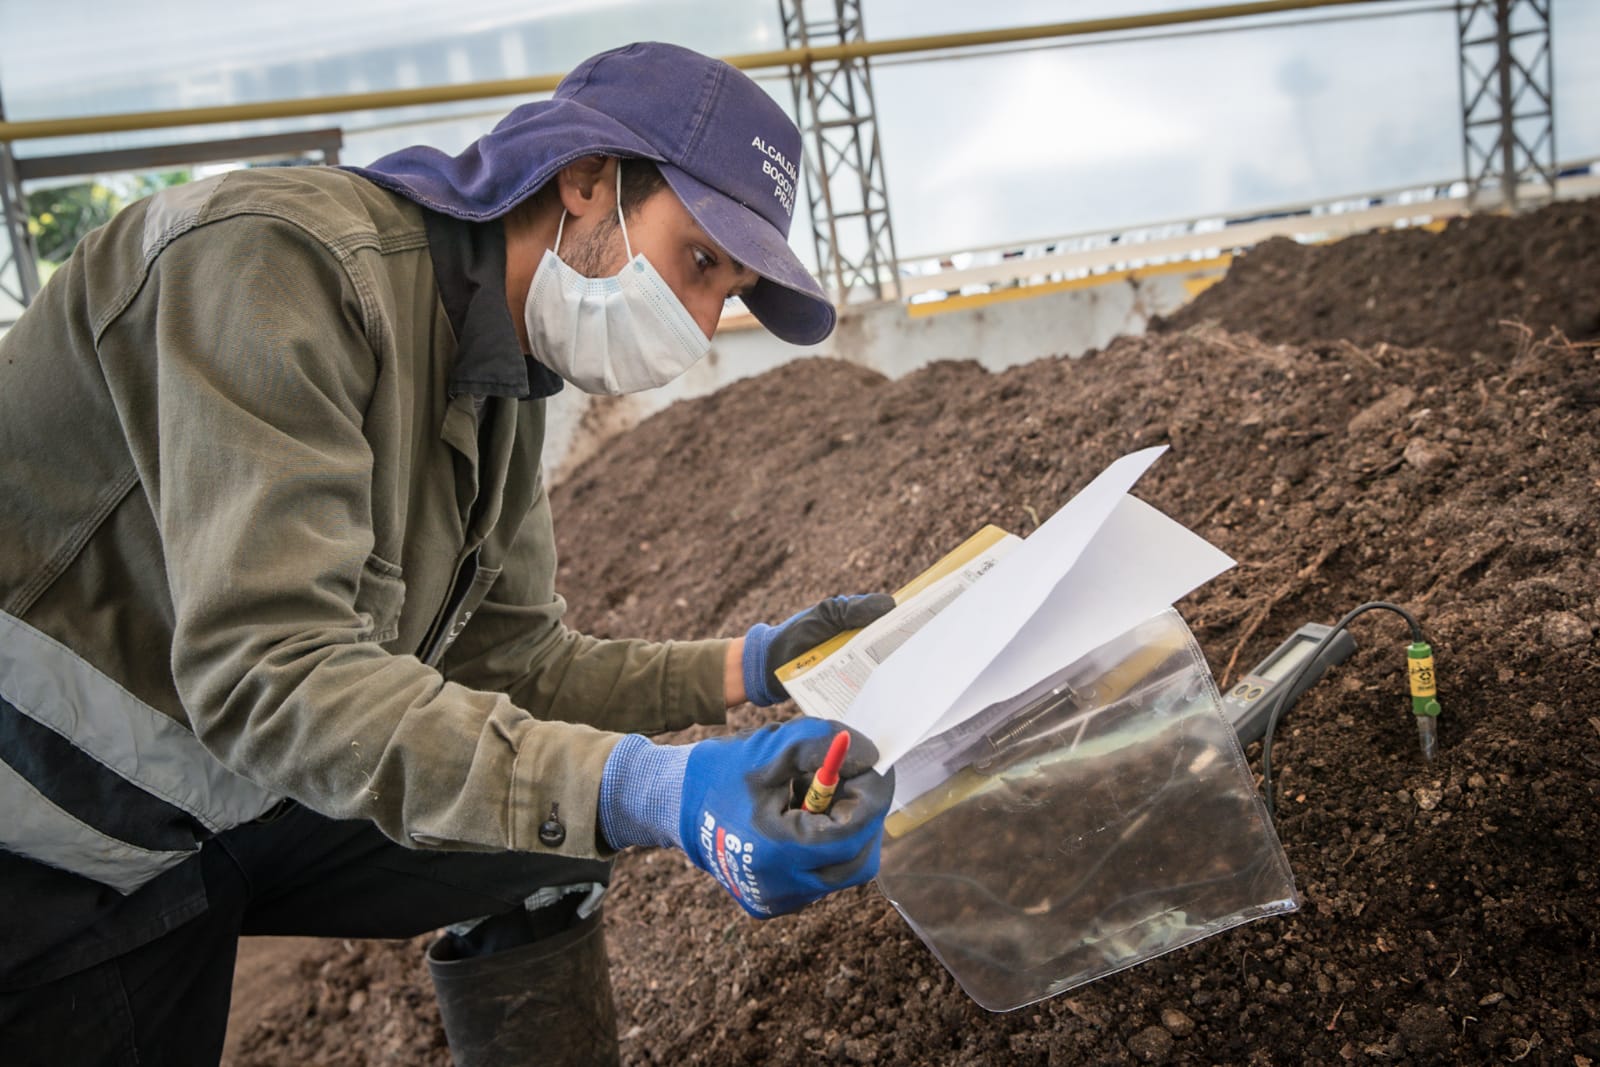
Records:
x=60, y=217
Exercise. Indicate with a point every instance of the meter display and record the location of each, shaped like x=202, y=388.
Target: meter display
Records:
x=1250, y=703
x=1289, y=656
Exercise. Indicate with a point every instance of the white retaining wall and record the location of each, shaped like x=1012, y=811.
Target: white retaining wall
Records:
x=1006, y=329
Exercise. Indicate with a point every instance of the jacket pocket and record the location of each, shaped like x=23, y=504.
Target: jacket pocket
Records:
x=379, y=600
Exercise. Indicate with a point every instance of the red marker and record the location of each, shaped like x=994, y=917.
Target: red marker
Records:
x=819, y=798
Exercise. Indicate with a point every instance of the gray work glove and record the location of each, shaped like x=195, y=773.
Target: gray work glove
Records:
x=766, y=648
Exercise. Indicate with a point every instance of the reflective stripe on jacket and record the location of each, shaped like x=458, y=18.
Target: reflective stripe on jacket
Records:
x=253, y=550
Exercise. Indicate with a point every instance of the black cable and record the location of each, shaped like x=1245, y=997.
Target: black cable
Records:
x=1310, y=660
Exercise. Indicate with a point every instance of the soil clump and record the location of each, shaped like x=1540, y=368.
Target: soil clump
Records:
x=1339, y=427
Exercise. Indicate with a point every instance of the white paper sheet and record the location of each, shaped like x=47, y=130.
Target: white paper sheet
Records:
x=915, y=689
x=1137, y=564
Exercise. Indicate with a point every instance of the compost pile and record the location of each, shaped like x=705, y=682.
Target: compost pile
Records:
x=1404, y=416
x=1404, y=287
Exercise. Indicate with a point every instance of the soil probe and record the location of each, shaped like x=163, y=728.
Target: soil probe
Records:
x=819, y=798
x=1419, y=664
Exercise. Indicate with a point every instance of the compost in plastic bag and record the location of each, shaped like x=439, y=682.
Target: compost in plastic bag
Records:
x=1104, y=817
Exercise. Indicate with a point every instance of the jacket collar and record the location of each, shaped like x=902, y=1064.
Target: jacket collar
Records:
x=469, y=263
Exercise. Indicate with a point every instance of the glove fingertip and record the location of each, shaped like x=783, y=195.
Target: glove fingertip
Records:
x=867, y=608
x=863, y=754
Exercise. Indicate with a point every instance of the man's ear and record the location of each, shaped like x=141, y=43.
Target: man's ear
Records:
x=586, y=182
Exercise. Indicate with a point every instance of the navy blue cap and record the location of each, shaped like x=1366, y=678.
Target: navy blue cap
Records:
x=725, y=147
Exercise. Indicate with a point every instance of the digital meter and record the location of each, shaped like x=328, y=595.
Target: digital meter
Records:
x=1251, y=702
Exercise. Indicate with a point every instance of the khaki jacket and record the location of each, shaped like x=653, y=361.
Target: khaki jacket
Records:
x=253, y=549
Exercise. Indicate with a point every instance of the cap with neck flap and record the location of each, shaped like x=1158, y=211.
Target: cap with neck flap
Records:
x=726, y=148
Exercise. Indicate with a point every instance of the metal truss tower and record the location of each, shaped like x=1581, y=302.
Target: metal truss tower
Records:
x=1507, y=99
x=19, y=273
x=844, y=162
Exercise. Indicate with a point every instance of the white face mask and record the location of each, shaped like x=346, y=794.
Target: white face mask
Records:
x=621, y=334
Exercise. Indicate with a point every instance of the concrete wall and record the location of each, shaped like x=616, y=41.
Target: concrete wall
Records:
x=999, y=330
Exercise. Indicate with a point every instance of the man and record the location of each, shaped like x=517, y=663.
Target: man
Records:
x=280, y=649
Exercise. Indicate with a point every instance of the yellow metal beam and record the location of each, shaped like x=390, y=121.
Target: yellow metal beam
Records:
x=981, y=38
x=1212, y=268
x=442, y=94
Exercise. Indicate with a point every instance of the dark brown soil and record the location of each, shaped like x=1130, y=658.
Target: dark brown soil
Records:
x=1450, y=908
x=1404, y=287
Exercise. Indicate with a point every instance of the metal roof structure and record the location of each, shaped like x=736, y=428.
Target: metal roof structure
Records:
x=1507, y=92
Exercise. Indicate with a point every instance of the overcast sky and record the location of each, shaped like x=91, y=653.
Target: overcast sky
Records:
x=1034, y=143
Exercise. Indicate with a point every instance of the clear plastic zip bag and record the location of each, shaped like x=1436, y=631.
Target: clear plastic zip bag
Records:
x=1102, y=818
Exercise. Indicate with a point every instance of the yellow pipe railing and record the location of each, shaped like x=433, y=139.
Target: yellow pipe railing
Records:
x=441, y=94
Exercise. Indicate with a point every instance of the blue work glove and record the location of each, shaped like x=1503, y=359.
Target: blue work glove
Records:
x=766, y=648
x=736, y=803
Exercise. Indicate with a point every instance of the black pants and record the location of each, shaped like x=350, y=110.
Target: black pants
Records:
x=299, y=874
